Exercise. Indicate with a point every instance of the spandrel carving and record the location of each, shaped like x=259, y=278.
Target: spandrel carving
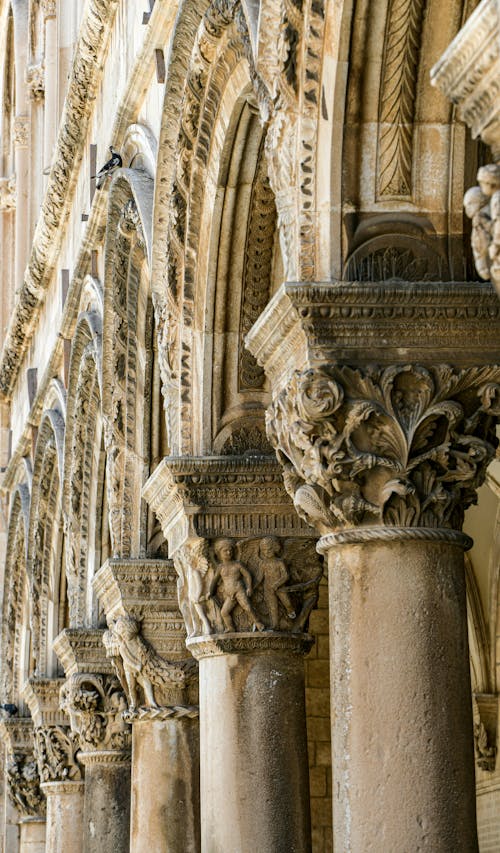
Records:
x=55, y=750
x=95, y=705
x=23, y=785
x=258, y=584
x=148, y=680
x=404, y=446
x=482, y=206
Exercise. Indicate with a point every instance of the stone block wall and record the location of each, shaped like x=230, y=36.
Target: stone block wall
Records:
x=318, y=727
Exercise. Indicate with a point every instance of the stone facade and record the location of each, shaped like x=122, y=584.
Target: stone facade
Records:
x=249, y=396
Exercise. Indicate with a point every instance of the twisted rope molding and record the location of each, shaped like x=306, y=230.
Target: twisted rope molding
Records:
x=168, y=712
x=362, y=535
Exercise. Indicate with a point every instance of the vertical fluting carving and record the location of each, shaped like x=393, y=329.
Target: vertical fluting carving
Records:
x=397, y=96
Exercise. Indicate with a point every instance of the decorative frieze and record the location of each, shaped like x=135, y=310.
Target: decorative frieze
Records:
x=8, y=194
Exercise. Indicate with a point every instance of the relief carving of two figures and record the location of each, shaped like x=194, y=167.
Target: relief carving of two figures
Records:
x=482, y=206
x=247, y=585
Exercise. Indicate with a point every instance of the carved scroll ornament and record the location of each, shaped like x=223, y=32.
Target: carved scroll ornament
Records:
x=404, y=445
x=95, y=705
x=148, y=680
x=55, y=752
x=482, y=206
x=23, y=785
x=265, y=584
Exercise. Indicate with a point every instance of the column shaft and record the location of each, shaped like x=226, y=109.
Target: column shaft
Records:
x=32, y=835
x=165, y=813
x=254, y=769
x=64, y=817
x=106, y=812
x=50, y=113
x=403, y=766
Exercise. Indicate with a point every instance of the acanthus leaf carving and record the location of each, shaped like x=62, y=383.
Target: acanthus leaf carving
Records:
x=35, y=80
x=404, y=446
x=95, y=705
x=8, y=193
x=23, y=785
x=55, y=749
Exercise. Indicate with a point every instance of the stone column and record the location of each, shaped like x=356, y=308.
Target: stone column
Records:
x=21, y=139
x=248, y=578
x=146, y=643
x=94, y=702
x=61, y=774
x=50, y=60
x=23, y=784
x=383, y=460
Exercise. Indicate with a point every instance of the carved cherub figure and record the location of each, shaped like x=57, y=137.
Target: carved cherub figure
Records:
x=275, y=576
x=482, y=206
x=475, y=204
x=236, y=585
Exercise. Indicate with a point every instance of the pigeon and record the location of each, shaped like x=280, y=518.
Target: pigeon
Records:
x=107, y=170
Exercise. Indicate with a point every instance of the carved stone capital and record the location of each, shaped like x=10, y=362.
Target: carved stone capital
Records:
x=8, y=194
x=148, y=680
x=55, y=752
x=403, y=446
x=485, y=708
x=23, y=781
x=146, y=590
x=48, y=8
x=468, y=73
x=482, y=206
x=243, y=557
x=35, y=80
x=21, y=131
x=95, y=705
x=23, y=785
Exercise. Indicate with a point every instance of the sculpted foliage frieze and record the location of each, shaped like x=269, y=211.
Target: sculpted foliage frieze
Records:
x=228, y=585
x=403, y=445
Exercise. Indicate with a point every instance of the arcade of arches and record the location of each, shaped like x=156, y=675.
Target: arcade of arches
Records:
x=249, y=389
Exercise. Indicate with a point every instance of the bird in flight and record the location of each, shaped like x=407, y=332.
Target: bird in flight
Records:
x=114, y=162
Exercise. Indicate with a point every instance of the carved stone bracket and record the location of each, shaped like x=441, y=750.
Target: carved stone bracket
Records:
x=244, y=559
x=8, y=194
x=23, y=781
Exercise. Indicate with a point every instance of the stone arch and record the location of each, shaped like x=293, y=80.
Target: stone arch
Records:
x=127, y=356
x=139, y=149
x=45, y=541
x=82, y=497
x=15, y=637
x=211, y=49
